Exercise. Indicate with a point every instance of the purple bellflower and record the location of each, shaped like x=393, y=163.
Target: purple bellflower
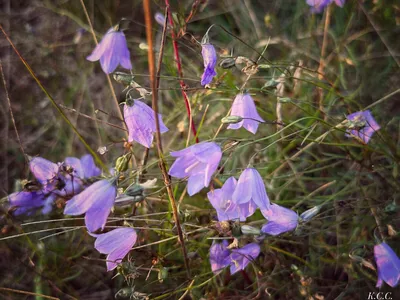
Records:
x=26, y=202
x=319, y=5
x=112, y=51
x=280, y=220
x=84, y=168
x=116, y=243
x=250, y=187
x=388, y=265
x=141, y=123
x=210, y=60
x=221, y=200
x=243, y=106
x=219, y=256
x=241, y=257
x=45, y=171
x=365, y=125
x=198, y=162
x=95, y=201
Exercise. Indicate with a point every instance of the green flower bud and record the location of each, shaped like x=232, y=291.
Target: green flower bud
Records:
x=231, y=120
x=122, y=162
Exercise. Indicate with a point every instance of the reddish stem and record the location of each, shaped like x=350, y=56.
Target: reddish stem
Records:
x=180, y=73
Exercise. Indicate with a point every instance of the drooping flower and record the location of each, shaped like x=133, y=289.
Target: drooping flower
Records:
x=250, y=187
x=243, y=106
x=219, y=254
x=25, y=202
x=198, y=162
x=280, y=219
x=241, y=257
x=221, y=200
x=210, y=60
x=364, y=125
x=388, y=264
x=141, y=123
x=112, y=51
x=319, y=5
x=96, y=201
x=116, y=243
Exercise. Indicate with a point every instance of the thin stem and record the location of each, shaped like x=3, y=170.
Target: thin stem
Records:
x=153, y=78
x=108, y=76
x=59, y=110
x=180, y=73
x=11, y=112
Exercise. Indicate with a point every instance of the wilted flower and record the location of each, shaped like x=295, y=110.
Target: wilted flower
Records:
x=388, y=265
x=241, y=257
x=219, y=254
x=112, y=51
x=210, y=60
x=116, y=243
x=26, y=202
x=198, y=162
x=96, y=201
x=280, y=219
x=364, y=125
x=221, y=200
x=310, y=213
x=243, y=106
x=319, y=5
x=250, y=187
x=141, y=123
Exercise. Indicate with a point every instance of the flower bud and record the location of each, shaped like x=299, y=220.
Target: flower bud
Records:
x=309, y=214
x=227, y=63
x=246, y=229
x=122, y=162
x=123, y=78
x=284, y=100
x=231, y=120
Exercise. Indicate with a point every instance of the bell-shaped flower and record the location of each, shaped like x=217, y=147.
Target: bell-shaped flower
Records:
x=112, y=51
x=95, y=201
x=198, y=162
x=44, y=170
x=26, y=202
x=84, y=167
x=241, y=257
x=139, y=119
x=219, y=254
x=388, y=264
x=250, y=187
x=116, y=243
x=362, y=124
x=318, y=6
x=280, y=219
x=210, y=60
x=221, y=200
x=244, y=107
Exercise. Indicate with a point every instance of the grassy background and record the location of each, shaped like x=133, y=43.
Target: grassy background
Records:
x=358, y=184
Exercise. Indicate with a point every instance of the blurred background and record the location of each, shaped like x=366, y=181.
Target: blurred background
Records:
x=328, y=258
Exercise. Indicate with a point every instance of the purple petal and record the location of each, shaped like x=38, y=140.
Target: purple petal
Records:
x=388, y=265
x=280, y=219
x=43, y=169
x=259, y=195
x=210, y=60
x=371, y=126
x=89, y=167
x=241, y=257
x=26, y=201
x=97, y=192
x=195, y=184
x=75, y=163
x=218, y=256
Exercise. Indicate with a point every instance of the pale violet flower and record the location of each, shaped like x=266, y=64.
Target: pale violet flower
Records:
x=243, y=106
x=112, y=51
x=388, y=264
x=219, y=254
x=116, y=243
x=210, y=60
x=139, y=119
x=198, y=162
x=280, y=220
x=250, y=187
x=221, y=200
x=362, y=124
